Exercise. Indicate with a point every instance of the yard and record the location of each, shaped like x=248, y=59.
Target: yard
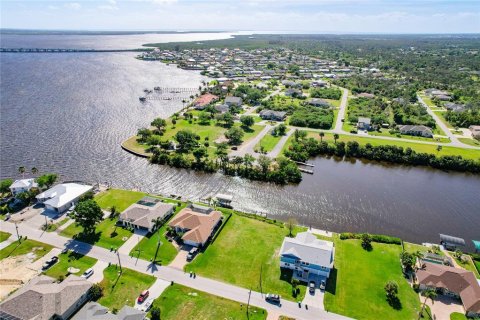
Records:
x=470, y=142
x=179, y=302
x=4, y=236
x=70, y=259
x=121, y=199
x=268, y=142
x=467, y=265
x=120, y=290
x=244, y=248
x=356, y=286
x=133, y=145
x=107, y=234
x=458, y=316
x=25, y=247
x=250, y=134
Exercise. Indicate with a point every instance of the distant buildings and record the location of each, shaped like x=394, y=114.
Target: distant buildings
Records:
x=273, y=115
x=413, y=130
x=43, y=298
x=145, y=214
x=62, y=196
x=364, y=123
x=22, y=185
x=317, y=102
x=204, y=100
x=475, y=131
x=311, y=259
x=233, y=101
x=366, y=95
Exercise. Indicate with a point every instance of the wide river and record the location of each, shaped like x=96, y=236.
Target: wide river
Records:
x=68, y=113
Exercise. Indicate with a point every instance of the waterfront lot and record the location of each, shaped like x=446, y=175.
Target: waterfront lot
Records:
x=356, y=286
x=67, y=260
x=107, y=234
x=245, y=247
x=268, y=142
x=122, y=289
x=179, y=302
x=25, y=247
x=121, y=199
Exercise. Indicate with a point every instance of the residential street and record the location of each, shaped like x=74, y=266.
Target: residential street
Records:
x=279, y=146
x=171, y=274
x=341, y=112
x=249, y=147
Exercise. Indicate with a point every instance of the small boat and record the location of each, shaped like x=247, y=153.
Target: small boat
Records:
x=156, y=88
x=143, y=99
x=145, y=90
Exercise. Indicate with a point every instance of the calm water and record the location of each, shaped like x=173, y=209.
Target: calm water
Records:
x=68, y=113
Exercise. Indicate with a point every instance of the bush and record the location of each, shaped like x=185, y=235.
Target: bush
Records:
x=96, y=291
x=380, y=238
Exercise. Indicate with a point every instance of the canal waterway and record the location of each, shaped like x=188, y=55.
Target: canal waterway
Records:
x=68, y=113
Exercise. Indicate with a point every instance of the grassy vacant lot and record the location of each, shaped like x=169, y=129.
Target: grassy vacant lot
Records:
x=237, y=255
x=148, y=245
x=121, y=199
x=26, y=246
x=413, y=248
x=386, y=133
x=356, y=286
x=54, y=226
x=120, y=290
x=179, y=302
x=418, y=147
x=471, y=142
x=70, y=259
x=4, y=236
x=106, y=235
x=211, y=131
x=268, y=142
x=253, y=132
x=133, y=145
x=457, y=316
x=442, y=118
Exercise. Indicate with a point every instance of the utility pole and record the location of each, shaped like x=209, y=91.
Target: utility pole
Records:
x=119, y=263
x=248, y=303
x=159, y=243
x=18, y=236
x=46, y=223
x=261, y=269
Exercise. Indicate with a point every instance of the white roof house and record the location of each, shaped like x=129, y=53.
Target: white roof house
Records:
x=307, y=248
x=22, y=185
x=61, y=196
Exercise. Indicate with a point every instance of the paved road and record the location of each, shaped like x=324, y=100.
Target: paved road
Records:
x=249, y=147
x=279, y=146
x=453, y=139
x=341, y=112
x=170, y=274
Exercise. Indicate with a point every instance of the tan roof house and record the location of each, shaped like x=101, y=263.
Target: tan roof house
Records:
x=43, y=299
x=146, y=216
x=197, y=223
x=452, y=281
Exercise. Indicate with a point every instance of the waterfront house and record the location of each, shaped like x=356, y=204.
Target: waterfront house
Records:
x=450, y=242
x=95, y=311
x=414, y=130
x=273, y=115
x=22, y=185
x=204, y=100
x=62, y=196
x=453, y=282
x=364, y=123
x=196, y=224
x=233, y=101
x=309, y=258
x=317, y=102
x=44, y=298
x=146, y=214
x=436, y=258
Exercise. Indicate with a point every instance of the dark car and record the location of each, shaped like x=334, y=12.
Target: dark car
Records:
x=143, y=296
x=322, y=285
x=311, y=287
x=50, y=262
x=234, y=148
x=273, y=298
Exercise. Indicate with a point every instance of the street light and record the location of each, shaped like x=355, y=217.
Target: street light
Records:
x=16, y=227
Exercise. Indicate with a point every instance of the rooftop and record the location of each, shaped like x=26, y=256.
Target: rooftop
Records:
x=62, y=194
x=308, y=248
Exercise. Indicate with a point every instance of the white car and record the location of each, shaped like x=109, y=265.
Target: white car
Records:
x=88, y=273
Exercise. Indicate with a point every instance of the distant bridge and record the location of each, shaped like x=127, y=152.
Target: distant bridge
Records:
x=53, y=50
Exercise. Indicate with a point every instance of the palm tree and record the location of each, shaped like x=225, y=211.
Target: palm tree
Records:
x=428, y=294
x=335, y=137
x=439, y=148
x=321, y=134
x=34, y=170
x=248, y=160
x=22, y=170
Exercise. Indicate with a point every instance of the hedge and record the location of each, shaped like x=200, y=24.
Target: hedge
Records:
x=380, y=238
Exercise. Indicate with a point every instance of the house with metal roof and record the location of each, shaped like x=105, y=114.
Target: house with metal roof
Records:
x=309, y=257
x=450, y=242
x=22, y=185
x=62, y=196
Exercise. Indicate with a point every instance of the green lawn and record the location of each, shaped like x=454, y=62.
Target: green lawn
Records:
x=356, y=286
x=468, y=265
x=236, y=257
x=133, y=145
x=211, y=131
x=107, y=235
x=418, y=147
x=148, y=245
x=268, y=142
x=26, y=246
x=458, y=316
x=413, y=248
x=121, y=199
x=179, y=302
x=471, y=142
x=386, y=133
x=4, y=236
x=70, y=259
x=442, y=118
x=124, y=289
x=54, y=226
x=252, y=133
x=477, y=265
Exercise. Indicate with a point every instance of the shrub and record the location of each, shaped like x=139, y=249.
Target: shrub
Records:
x=380, y=238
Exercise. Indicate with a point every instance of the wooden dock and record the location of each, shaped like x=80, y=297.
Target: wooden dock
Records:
x=306, y=170
x=305, y=164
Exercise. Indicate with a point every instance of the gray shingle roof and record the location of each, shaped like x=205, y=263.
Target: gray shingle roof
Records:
x=143, y=216
x=95, y=311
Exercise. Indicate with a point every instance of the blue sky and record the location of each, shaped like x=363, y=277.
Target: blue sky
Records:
x=315, y=16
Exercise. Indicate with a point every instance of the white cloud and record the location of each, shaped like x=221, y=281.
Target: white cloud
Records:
x=73, y=5
x=53, y=7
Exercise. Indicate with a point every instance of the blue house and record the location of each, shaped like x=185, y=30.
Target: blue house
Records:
x=311, y=259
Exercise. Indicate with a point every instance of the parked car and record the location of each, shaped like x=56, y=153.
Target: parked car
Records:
x=311, y=287
x=191, y=254
x=50, y=262
x=88, y=273
x=322, y=285
x=143, y=296
x=273, y=298
x=234, y=148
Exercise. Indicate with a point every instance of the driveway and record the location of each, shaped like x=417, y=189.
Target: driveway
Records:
x=181, y=258
x=155, y=291
x=249, y=147
x=279, y=146
x=98, y=268
x=135, y=239
x=443, y=306
x=315, y=299
x=341, y=112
